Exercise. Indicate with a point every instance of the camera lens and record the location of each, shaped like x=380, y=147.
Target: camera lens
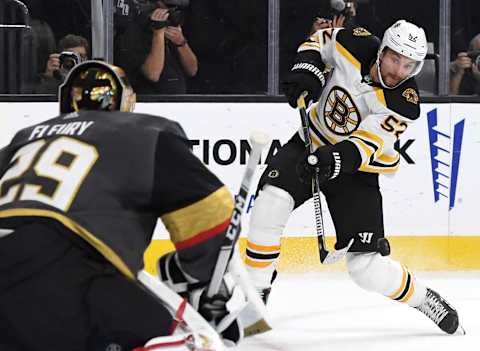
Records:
x=68, y=63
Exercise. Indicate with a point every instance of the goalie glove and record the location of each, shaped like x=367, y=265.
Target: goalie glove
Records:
x=223, y=309
x=306, y=75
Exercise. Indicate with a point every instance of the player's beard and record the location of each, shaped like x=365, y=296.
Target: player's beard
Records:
x=391, y=80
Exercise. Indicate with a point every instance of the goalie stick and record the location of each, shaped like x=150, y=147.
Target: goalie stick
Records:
x=326, y=257
x=258, y=140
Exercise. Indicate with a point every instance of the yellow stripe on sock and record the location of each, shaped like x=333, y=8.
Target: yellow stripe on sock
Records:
x=257, y=264
x=402, y=285
x=261, y=248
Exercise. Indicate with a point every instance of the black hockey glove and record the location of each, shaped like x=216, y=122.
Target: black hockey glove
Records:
x=332, y=160
x=305, y=75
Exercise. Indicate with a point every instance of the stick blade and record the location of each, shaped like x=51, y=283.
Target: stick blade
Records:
x=335, y=255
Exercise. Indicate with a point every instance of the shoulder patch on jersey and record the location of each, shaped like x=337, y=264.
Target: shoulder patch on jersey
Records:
x=404, y=100
x=363, y=47
x=361, y=32
x=411, y=96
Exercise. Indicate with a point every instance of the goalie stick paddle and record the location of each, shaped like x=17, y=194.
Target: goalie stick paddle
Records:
x=258, y=140
x=326, y=257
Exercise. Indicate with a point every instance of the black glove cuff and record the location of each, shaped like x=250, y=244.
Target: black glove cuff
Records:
x=342, y=157
x=310, y=61
x=308, y=67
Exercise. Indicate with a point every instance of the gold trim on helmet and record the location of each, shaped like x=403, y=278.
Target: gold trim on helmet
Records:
x=117, y=95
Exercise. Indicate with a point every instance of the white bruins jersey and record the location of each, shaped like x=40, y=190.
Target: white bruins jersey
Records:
x=352, y=107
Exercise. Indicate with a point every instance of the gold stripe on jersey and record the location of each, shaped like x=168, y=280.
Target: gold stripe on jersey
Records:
x=380, y=96
x=76, y=228
x=309, y=46
x=345, y=53
x=371, y=137
x=362, y=146
x=370, y=146
x=388, y=158
x=199, y=217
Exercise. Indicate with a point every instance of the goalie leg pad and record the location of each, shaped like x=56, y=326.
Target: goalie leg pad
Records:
x=381, y=274
x=272, y=209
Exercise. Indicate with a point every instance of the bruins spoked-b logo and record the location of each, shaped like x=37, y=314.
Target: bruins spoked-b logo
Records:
x=340, y=113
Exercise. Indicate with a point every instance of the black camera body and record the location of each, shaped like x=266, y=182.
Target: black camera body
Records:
x=68, y=60
x=475, y=57
x=175, y=9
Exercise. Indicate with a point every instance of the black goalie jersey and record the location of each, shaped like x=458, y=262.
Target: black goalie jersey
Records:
x=352, y=107
x=107, y=177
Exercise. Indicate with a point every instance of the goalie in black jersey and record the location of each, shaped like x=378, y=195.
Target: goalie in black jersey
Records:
x=80, y=195
x=368, y=101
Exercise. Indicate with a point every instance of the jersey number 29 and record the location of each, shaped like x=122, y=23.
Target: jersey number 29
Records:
x=45, y=163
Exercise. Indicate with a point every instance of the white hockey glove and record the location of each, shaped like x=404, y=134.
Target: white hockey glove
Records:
x=221, y=310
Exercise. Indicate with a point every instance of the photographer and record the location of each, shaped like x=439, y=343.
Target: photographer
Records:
x=153, y=48
x=73, y=49
x=465, y=70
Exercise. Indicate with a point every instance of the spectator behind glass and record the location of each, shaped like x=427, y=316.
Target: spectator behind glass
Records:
x=56, y=71
x=464, y=71
x=154, y=53
x=339, y=13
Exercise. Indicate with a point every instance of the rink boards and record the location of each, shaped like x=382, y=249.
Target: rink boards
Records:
x=430, y=205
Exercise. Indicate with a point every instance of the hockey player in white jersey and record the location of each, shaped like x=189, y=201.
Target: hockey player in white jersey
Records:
x=368, y=101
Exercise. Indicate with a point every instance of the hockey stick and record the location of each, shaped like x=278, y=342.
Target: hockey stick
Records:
x=326, y=257
x=182, y=310
x=258, y=140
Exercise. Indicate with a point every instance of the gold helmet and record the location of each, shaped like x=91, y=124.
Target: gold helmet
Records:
x=96, y=85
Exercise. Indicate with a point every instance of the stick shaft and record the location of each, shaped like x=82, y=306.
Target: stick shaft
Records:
x=315, y=181
x=233, y=231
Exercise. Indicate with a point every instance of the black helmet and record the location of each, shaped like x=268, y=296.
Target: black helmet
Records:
x=96, y=85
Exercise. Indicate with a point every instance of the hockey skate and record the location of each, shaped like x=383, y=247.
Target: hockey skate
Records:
x=441, y=313
x=265, y=292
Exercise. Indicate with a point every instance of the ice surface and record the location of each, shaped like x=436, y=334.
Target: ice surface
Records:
x=327, y=311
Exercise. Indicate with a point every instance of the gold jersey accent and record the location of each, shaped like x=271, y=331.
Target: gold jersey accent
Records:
x=76, y=228
x=193, y=221
x=361, y=32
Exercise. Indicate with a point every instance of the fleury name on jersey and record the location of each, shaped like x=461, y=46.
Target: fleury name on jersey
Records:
x=353, y=107
x=70, y=128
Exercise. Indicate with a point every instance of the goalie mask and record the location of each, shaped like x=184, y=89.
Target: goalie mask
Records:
x=405, y=39
x=96, y=85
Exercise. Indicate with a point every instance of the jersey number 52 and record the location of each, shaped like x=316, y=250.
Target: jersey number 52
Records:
x=43, y=158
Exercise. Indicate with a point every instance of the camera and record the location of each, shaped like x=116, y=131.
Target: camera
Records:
x=475, y=57
x=68, y=60
x=341, y=7
x=175, y=10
